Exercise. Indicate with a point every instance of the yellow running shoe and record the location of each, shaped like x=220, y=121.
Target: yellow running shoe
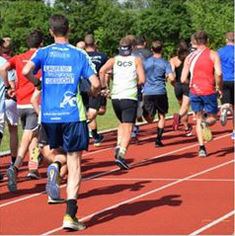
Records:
x=70, y=223
x=206, y=132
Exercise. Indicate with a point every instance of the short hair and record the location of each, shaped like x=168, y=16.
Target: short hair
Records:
x=200, y=37
x=59, y=25
x=89, y=40
x=35, y=39
x=126, y=41
x=132, y=38
x=157, y=46
x=140, y=40
x=182, y=50
x=230, y=37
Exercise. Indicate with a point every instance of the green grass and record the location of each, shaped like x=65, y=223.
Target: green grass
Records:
x=106, y=121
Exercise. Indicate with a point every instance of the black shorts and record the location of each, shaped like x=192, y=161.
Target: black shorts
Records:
x=97, y=102
x=72, y=137
x=228, y=92
x=125, y=110
x=154, y=104
x=180, y=90
x=42, y=136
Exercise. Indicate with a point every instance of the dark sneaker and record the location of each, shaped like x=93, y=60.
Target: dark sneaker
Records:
x=206, y=132
x=11, y=174
x=33, y=174
x=55, y=201
x=98, y=140
x=158, y=143
x=224, y=116
x=202, y=153
x=176, y=121
x=70, y=223
x=188, y=132
x=121, y=162
x=53, y=181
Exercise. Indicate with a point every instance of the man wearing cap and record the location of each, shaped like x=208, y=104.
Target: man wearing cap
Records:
x=128, y=72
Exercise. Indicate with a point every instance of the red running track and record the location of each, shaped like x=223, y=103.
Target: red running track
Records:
x=167, y=191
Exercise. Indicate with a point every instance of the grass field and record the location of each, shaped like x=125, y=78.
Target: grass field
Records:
x=107, y=121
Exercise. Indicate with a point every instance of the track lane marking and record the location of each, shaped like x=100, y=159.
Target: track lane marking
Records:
x=144, y=194
x=110, y=171
x=205, y=227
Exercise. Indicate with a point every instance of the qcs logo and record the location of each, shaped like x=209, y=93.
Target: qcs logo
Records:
x=124, y=63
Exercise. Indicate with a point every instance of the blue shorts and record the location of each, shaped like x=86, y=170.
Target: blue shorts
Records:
x=72, y=137
x=206, y=103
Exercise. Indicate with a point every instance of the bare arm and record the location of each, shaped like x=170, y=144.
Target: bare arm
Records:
x=35, y=100
x=217, y=70
x=172, y=80
x=95, y=85
x=140, y=70
x=28, y=73
x=104, y=79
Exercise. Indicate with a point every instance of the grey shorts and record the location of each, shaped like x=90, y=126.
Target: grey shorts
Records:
x=28, y=118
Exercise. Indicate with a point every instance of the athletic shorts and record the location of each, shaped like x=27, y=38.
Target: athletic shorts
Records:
x=154, y=104
x=125, y=110
x=72, y=137
x=42, y=136
x=206, y=103
x=28, y=118
x=180, y=90
x=228, y=92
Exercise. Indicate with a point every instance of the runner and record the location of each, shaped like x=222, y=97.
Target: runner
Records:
x=157, y=71
x=205, y=69
x=8, y=110
x=181, y=90
x=127, y=73
x=63, y=117
x=24, y=90
x=226, y=55
x=96, y=105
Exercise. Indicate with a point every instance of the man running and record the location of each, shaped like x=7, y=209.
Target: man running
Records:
x=226, y=55
x=127, y=74
x=63, y=117
x=96, y=105
x=157, y=71
x=205, y=69
x=29, y=120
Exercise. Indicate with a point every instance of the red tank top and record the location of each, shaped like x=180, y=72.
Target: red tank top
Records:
x=202, y=71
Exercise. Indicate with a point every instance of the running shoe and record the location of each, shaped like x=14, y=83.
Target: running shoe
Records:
x=189, y=131
x=11, y=174
x=70, y=223
x=135, y=131
x=53, y=181
x=98, y=140
x=206, y=132
x=224, y=116
x=176, y=121
x=33, y=174
x=202, y=152
x=121, y=162
x=55, y=201
x=158, y=143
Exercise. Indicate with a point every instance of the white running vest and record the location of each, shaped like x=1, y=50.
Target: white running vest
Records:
x=124, y=78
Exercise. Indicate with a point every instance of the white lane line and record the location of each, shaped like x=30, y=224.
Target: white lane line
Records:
x=109, y=172
x=145, y=194
x=212, y=223
x=162, y=179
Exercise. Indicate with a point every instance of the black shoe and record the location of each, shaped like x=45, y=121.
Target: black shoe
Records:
x=121, y=162
x=98, y=140
x=158, y=143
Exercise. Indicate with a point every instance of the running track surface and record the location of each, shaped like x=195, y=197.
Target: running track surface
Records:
x=168, y=190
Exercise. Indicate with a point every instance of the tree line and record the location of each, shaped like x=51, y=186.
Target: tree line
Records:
x=109, y=20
